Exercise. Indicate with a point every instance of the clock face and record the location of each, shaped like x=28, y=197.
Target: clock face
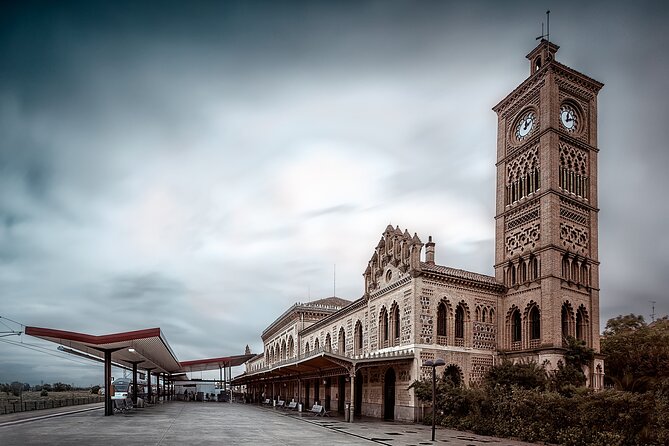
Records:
x=568, y=117
x=525, y=125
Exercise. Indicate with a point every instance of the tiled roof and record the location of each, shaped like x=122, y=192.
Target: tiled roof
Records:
x=459, y=273
x=328, y=302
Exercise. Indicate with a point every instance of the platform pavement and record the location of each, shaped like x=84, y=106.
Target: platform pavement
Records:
x=192, y=423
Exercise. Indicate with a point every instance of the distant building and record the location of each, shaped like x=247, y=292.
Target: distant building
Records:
x=546, y=285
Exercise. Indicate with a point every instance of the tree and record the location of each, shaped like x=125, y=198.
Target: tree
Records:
x=620, y=324
x=95, y=390
x=526, y=375
x=61, y=387
x=637, y=356
x=16, y=388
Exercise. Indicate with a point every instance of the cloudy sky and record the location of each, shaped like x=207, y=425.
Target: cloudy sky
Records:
x=202, y=166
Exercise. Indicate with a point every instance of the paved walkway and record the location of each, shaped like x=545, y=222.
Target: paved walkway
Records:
x=180, y=423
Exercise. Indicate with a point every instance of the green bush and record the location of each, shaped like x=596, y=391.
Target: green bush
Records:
x=585, y=418
x=44, y=393
x=95, y=390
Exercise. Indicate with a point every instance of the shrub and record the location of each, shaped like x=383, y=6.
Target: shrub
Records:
x=95, y=390
x=44, y=393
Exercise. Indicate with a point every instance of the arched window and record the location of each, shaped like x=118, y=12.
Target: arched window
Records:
x=306, y=348
x=453, y=374
x=565, y=267
x=395, y=318
x=328, y=343
x=535, y=323
x=341, y=342
x=523, y=271
x=291, y=347
x=383, y=328
x=484, y=315
x=459, y=322
x=317, y=344
x=585, y=275
x=516, y=326
x=441, y=319
x=581, y=324
x=357, y=347
x=283, y=350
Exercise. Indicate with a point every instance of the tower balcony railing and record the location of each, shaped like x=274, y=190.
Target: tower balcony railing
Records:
x=442, y=340
x=516, y=345
x=459, y=342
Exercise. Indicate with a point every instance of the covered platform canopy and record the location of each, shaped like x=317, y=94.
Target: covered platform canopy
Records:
x=200, y=365
x=147, y=348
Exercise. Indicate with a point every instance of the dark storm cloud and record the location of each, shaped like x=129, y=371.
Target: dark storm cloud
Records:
x=207, y=164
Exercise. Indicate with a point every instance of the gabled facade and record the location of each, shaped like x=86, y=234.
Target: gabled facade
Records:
x=546, y=285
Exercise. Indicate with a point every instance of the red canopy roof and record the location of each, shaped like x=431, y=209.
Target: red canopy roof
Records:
x=148, y=348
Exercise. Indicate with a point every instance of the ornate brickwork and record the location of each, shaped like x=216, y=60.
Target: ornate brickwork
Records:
x=426, y=372
x=574, y=238
x=485, y=336
x=522, y=216
x=479, y=368
x=525, y=238
x=406, y=318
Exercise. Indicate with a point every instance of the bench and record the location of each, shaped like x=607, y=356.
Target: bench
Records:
x=122, y=405
x=280, y=403
x=292, y=405
x=267, y=401
x=317, y=410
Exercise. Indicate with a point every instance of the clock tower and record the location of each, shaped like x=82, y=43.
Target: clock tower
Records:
x=546, y=251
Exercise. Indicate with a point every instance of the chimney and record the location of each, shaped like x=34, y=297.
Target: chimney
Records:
x=429, y=251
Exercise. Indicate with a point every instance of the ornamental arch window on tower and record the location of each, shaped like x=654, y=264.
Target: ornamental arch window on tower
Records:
x=573, y=173
x=514, y=328
x=341, y=342
x=567, y=318
x=534, y=325
x=582, y=325
x=522, y=176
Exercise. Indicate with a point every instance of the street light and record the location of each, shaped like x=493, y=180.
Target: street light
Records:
x=434, y=364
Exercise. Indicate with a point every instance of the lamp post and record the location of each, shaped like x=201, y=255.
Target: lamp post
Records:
x=434, y=364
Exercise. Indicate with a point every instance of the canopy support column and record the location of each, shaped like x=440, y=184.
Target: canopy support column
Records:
x=148, y=383
x=109, y=408
x=134, y=381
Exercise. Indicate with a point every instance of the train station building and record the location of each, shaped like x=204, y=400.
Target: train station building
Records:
x=362, y=356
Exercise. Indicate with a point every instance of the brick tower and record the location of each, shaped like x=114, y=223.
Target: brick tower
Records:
x=546, y=215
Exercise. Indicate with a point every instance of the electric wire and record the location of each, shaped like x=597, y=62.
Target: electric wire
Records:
x=43, y=350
